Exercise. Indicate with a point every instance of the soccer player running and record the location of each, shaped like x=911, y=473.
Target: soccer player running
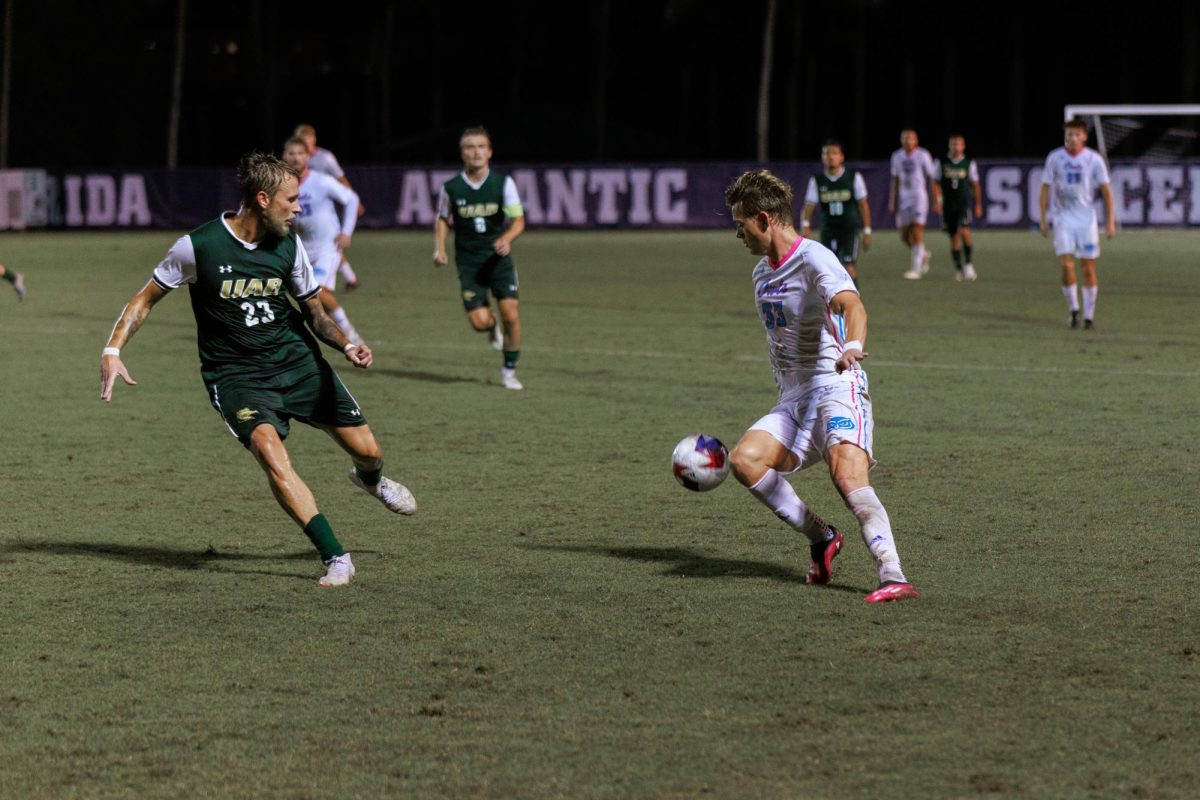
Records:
x=908, y=198
x=260, y=364
x=845, y=214
x=1073, y=172
x=958, y=177
x=16, y=279
x=324, y=233
x=476, y=203
x=816, y=325
x=325, y=161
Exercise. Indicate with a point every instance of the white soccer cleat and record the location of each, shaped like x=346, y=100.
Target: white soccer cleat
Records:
x=339, y=571
x=958, y=276
x=395, y=496
x=914, y=274
x=509, y=379
x=969, y=272
x=496, y=337
x=19, y=286
x=925, y=259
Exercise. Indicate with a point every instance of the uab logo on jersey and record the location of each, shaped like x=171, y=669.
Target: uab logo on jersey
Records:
x=254, y=287
x=478, y=209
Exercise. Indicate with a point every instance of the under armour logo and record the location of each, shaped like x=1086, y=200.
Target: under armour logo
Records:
x=224, y=270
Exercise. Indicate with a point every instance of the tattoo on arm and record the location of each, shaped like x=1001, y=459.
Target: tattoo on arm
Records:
x=322, y=325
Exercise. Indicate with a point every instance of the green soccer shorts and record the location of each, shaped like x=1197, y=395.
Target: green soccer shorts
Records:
x=479, y=275
x=844, y=245
x=955, y=217
x=313, y=394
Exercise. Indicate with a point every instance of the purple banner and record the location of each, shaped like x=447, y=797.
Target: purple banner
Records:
x=593, y=196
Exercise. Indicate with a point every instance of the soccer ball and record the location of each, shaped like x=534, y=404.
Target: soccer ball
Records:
x=700, y=462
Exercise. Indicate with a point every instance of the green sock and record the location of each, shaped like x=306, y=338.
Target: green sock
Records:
x=9, y=276
x=510, y=358
x=321, y=535
x=957, y=256
x=369, y=477
x=967, y=252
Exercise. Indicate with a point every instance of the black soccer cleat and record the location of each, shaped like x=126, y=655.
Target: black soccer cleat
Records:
x=1074, y=321
x=1088, y=324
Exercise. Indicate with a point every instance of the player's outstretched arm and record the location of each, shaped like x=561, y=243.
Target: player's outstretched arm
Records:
x=325, y=329
x=132, y=317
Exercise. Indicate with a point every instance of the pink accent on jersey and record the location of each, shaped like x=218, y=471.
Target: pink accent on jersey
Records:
x=787, y=255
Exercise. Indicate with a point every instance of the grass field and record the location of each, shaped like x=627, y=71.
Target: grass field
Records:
x=561, y=619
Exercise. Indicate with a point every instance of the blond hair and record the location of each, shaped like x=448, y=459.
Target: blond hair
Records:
x=760, y=190
x=261, y=172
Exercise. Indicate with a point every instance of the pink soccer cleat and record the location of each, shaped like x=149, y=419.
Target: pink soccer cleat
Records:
x=822, y=559
x=892, y=592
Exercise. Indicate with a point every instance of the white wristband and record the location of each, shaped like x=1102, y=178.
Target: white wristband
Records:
x=110, y=351
x=867, y=231
x=348, y=347
x=853, y=344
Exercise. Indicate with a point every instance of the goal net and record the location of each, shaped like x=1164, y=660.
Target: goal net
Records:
x=1149, y=133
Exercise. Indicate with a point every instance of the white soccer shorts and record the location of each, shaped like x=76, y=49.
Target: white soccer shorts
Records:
x=812, y=423
x=325, y=260
x=912, y=211
x=1081, y=241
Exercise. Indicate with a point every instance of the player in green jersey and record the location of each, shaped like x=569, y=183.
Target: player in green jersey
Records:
x=15, y=278
x=476, y=204
x=845, y=214
x=260, y=363
x=958, y=176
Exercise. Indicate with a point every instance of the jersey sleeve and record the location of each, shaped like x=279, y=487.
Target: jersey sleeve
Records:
x=443, y=205
x=512, y=200
x=179, y=265
x=896, y=164
x=347, y=198
x=973, y=171
x=332, y=165
x=810, y=192
x=1099, y=170
x=929, y=168
x=303, y=282
x=829, y=277
x=860, y=187
x=937, y=170
x=1048, y=171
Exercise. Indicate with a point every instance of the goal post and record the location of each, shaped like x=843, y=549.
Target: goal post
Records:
x=1115, y=124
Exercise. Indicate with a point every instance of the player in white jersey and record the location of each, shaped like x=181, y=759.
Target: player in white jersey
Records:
x=322, y=160
x=816, y=324
x=908, y=198
x=1074, y=172
x=324, y=233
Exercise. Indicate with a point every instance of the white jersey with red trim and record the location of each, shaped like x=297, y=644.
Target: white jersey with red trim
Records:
x=1073, y=180
x=804, y=335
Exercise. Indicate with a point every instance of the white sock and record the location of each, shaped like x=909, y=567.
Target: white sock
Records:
x=347, y=272
x=1072, y=298
x=918, y=253
x=338, y=315
x=1089, y=300
x=876, y=533
x=774, y=492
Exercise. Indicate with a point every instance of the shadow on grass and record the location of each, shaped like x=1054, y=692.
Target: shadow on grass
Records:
x=686, y=563
x=428, y=377
x=170, y=558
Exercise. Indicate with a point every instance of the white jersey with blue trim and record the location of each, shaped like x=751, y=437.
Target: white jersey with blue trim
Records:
x=804, y=335
x=1073, y=180
x=318, y=221
x=914, y=169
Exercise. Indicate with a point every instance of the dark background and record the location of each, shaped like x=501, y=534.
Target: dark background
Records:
x=652, y=80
